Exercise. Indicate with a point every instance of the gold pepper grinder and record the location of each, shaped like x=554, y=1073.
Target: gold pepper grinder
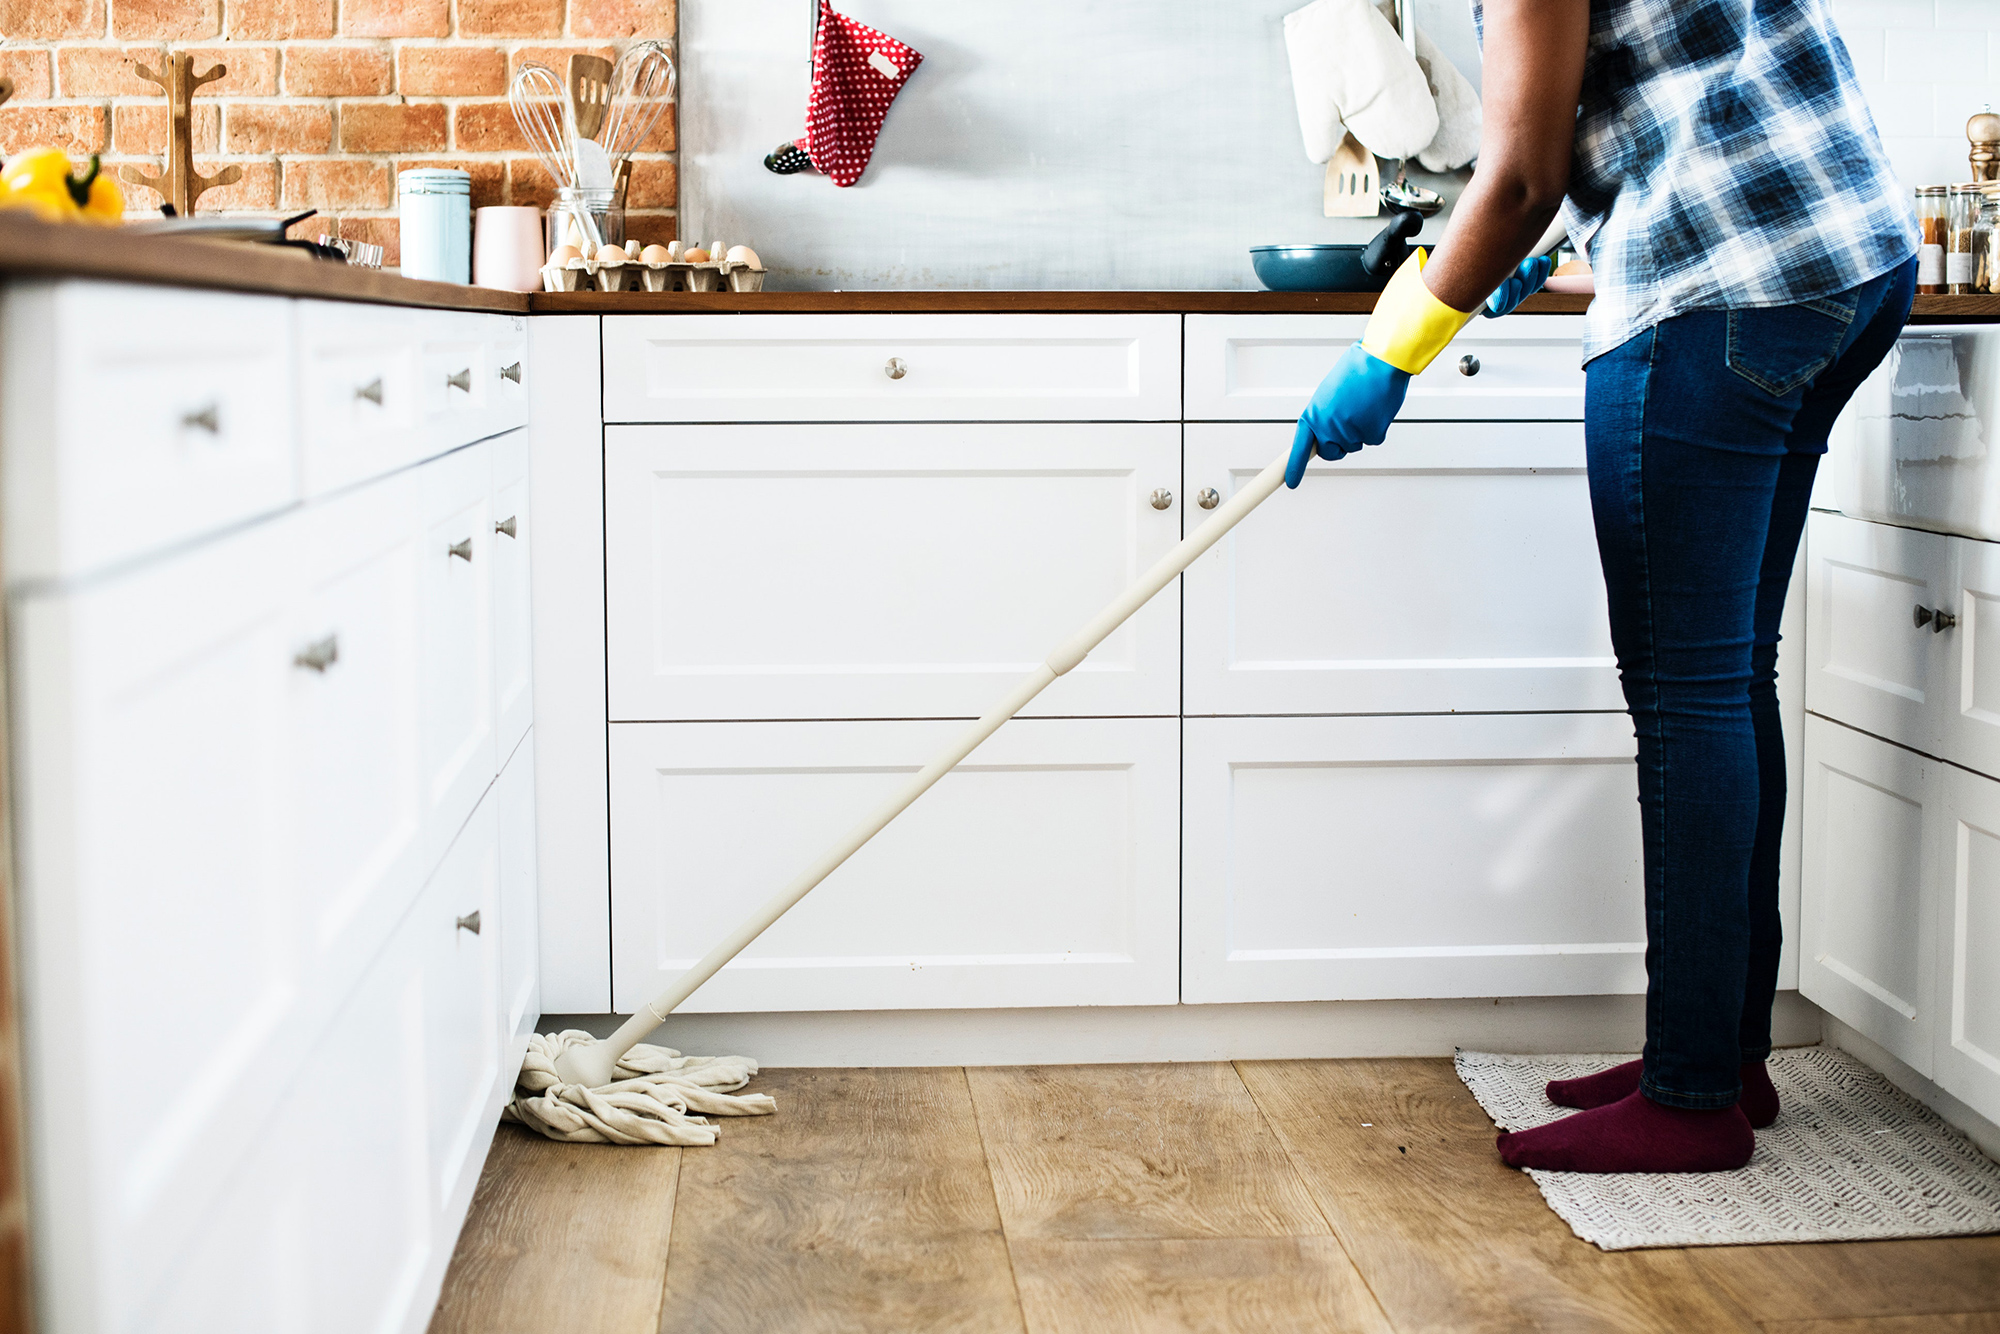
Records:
x=1983, y=133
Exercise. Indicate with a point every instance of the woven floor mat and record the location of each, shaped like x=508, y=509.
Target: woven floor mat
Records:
x=1851, y=1157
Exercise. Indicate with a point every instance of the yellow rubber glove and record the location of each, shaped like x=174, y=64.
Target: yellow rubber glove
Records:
x=1410, y=326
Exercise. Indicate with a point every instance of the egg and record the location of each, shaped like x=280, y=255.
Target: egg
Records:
x=656, y=254
x=743, y=254
x=611, y=254
x=694, y=256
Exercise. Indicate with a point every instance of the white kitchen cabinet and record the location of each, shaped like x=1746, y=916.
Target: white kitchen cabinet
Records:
x=458, y=928
x=1366, y=858
x=520, y=908
x=824, y=368
x=359, y=410
x=1970, y=699
x=901, y=571
x=1876, y=657
x=1869, y=910
x=1265, y=368
x=1043, y=871
x=456, y=598
x=1967, y=1038
x=513, y=629
x=1452, y=569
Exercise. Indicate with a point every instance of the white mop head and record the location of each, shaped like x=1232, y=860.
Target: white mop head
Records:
x=649, y=1103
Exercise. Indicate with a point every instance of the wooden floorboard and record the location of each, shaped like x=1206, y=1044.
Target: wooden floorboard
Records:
x=1976, y=1322
x=1130, y=1151
x=562, y=1236
x=864, y=1204
x=1217, y=1285
x=1401, y=1160
x=1836, y=1280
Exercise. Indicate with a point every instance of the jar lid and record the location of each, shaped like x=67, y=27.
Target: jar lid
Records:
x=434, y=181
x=1923, y=191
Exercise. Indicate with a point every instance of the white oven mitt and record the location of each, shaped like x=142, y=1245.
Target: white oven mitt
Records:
x=1457, y=141
x=1351, y=72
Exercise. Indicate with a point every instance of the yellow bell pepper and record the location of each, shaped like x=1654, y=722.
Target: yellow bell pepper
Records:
x=43, y=181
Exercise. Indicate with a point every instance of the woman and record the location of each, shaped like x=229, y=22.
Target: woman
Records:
x=1754, y=261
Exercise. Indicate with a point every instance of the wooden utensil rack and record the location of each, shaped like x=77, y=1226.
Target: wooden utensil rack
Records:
x=177, y=181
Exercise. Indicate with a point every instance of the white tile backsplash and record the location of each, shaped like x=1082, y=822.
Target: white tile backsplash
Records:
x=1926, y=66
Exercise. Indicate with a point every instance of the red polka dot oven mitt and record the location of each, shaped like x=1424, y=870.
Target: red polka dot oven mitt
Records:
x=857, y=72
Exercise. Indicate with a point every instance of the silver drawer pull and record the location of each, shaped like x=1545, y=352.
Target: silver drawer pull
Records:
x=1939, y=621
x=318, y=655
x=506, y=526
x=896, y=369
x=372, y=391
x=1208, y=497
x=1161, y=499
x=462, y=380
x=1468, y=365
x=1921, y=617
x=203, y=419
x=470, y=922
x=512, y=372
x=462, y=550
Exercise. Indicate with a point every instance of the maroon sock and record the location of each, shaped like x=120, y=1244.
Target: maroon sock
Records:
x=1759, y=1101
x=1635, y=1134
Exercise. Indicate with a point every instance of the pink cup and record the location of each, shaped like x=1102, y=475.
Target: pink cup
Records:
x=507, y=248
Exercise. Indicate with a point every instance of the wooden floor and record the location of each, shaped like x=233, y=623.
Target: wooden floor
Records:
x=1261, y=1196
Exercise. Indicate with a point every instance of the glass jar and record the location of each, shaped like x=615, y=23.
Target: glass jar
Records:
x=1960, y=257
x=1933, y=203
x=434, y=208
x=577, y=213
x=1986, y=241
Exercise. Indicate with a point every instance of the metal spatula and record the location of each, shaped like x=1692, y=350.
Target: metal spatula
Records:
x=589, y=93
x=1352, y=182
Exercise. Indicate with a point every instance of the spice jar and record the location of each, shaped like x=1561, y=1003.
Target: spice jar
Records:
x=1960, y=259
x=1933, y=203
x=434, y=205
x=1986, y=240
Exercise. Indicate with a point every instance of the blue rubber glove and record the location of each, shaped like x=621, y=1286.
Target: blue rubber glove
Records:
x=1352, y=407
x=1523, y=283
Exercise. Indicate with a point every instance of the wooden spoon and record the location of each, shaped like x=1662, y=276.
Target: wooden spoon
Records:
x=1352, y=182
x=589, y=92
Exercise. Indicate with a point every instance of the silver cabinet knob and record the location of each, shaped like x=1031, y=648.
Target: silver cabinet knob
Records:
x=506, y=526
x=470, y=922
x=1161, y=498
x=203, y=419
x=1939, y=620
x=1468, y=365
x=318, y=655
x=1208, y=497
x=462, y=550
x=896, y=369
x=1921, y=617
x=512, y=372
x=372, y=391
x=462, y=380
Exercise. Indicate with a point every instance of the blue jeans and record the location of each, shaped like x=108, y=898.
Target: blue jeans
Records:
x=1704, y=433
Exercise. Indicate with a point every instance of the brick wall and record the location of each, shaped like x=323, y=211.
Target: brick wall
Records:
x=325, y=100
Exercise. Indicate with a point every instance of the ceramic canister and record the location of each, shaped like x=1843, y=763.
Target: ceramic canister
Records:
x=435, y=207
x=507, y=247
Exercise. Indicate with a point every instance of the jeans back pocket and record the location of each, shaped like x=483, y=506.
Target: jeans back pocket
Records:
x=1781, y=348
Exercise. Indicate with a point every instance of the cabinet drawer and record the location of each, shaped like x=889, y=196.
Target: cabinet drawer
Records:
x=455, y=650
x=457, y=928
x=893, y=571
x=513, y=638
x=1876, y=658
x=359, y=414
x=1967, y=1042
x=1265, y=367
x=137, y=418
x=1452, y=569
x=666, y=368
x=1042, y=871
x=1868, y=907
x=1370, y=858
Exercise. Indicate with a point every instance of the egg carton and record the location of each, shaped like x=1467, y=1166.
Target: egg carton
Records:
x=638, y=275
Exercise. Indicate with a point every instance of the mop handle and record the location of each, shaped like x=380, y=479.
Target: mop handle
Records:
x=1072, y=652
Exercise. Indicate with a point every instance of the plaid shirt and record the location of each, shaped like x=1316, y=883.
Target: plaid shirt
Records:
x=1724, y=158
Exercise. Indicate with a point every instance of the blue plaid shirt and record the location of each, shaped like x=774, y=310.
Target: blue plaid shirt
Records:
x=1724, y=158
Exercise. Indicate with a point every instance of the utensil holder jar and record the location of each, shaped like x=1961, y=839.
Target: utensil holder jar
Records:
x=564, y=222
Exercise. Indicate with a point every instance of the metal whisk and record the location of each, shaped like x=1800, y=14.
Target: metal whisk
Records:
x=541, y=108
x=642, y=84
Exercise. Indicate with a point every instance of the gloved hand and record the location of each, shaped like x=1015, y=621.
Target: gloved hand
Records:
x=1352, y=407
x=1523, y=283
x=1362, y=394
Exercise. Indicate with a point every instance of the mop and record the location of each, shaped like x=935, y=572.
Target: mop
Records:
x=619, y=1090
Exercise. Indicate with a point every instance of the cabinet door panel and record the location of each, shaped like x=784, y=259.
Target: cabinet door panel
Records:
x=457, y=651
x=1868, y=910
x=520, y=972
x=1968, y=1040
x=1453, y=568
x=882, y=571
x=513, y=639
x=1040, y=872
x=1365, y=858
x=359, y=415
x=463, y=1037
x=1870, y=664
x=1265, y=367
